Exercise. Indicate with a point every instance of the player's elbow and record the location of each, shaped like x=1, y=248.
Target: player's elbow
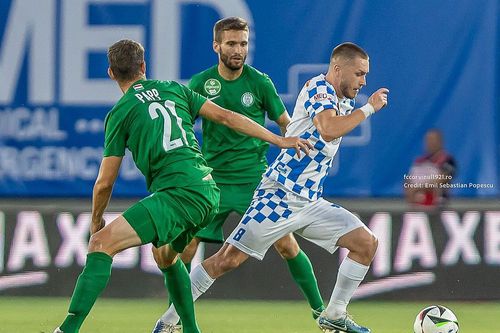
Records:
x=329, y=135
x=215, y=113
x=223, y=117
x=102, y=185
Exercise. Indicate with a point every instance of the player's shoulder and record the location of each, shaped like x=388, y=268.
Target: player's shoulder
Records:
x=255, y=74
x=168, y=86
x=118, y=112
x=206, y=74
x=260, y=81
x=204, y=80
x=319, y=83
x=163, y=84
x=125, y=103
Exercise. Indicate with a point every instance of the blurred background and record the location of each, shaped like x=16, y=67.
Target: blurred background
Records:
x=440, y=60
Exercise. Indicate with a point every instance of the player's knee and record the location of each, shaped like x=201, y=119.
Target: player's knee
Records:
x=373, y=245
x=229, y=260
x=365, y=245
x=287, y=249
x=161, y=259
x=163, y=262
x=97, y=243
x=229, y=263
x=189, y=252
x=369, y=246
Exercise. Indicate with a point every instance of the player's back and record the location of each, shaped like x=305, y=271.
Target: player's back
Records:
x=154, y=120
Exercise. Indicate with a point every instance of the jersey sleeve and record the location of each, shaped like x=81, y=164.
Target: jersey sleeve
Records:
x=195, y=101
x=115, y=136
x=272, y=103
x=319, y=97
x=193, y=84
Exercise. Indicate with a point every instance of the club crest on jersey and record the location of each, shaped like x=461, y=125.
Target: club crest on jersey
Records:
x=247, y=99
x=212, y=87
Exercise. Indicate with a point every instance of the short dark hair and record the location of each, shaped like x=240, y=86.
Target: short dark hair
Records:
x=125, y=58
x=229, y=23
x=349, y=51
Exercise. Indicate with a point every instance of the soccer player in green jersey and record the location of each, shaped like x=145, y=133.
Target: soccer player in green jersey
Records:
x=238, y=161
x=154, y=120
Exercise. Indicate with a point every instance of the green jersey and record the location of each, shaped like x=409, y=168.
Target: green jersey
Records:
x=154, y=120
x=237, y=158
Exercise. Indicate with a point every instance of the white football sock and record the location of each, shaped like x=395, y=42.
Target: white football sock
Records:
x=200, y=282
x=350, y=275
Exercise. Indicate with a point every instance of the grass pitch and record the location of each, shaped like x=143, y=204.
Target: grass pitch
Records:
x=36, y=315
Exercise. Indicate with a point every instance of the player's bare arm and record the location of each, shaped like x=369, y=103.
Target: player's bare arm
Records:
x=283, y=122
x=249, y=127
x=331, y=126
x=102, y=190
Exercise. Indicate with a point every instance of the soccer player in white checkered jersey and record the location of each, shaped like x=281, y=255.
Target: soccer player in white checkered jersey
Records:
x=289, y=198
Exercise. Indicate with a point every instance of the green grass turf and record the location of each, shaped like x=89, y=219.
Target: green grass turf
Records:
x=35, y=315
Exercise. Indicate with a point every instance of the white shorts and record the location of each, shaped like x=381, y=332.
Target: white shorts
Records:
x=276, y=212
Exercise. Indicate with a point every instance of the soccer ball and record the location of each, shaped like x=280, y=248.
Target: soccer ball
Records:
x=436, y=319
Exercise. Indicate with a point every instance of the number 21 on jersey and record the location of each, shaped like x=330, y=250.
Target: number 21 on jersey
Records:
x=167, y=111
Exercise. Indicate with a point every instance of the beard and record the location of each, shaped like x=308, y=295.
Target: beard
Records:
x=347, y=91
x=232, y=64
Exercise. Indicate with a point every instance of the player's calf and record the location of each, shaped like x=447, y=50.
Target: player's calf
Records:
x=226, y=259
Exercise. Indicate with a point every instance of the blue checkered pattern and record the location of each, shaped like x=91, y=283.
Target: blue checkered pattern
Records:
x=267, y=205
x=305, y=176
x=320, y=96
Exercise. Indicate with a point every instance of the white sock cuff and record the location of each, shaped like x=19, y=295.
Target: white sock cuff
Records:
x=200, y=278
x=353, y=270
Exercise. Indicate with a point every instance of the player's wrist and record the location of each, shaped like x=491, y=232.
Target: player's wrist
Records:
x=276, y=140
x=367, y=110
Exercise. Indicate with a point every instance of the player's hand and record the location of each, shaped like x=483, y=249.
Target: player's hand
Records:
x=379, y=99
x=96, y=226
x=296, y=143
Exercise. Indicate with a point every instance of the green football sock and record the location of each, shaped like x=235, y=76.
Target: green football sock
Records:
x=179, y=291
x=188, y=267
x=303, y=274
x=90, y=284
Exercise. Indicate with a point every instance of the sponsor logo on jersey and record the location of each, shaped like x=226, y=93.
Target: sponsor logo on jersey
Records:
x=320, y=96
x=138, y=87
x=247, y=99
x=212, y=87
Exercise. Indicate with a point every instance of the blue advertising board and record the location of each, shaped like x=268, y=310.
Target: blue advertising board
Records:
x=439, y=60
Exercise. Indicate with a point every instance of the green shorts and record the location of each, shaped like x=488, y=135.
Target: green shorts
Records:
x=173, y=216
x=233, y=198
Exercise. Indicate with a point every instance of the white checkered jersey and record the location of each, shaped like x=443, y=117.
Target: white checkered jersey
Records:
x=305, y=176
